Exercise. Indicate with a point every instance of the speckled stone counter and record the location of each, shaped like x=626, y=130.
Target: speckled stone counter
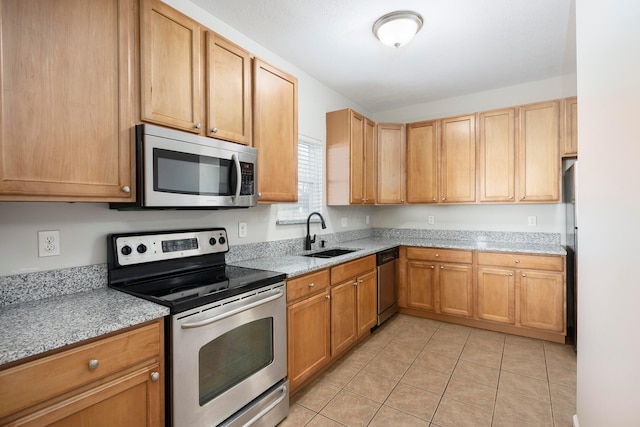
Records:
x=34, y=327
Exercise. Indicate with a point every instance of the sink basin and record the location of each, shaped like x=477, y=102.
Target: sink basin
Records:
x=330, y=253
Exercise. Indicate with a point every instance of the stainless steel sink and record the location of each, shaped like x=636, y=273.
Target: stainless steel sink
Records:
x=330, y=253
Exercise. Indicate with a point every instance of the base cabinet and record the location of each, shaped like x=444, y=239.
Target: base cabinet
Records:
x=113, y=381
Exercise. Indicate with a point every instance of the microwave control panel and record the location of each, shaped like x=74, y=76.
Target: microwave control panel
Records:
x=248, y=179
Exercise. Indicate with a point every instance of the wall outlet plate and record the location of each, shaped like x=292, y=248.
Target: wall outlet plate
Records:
x=431, y=219
x=48, y=243
x=242, y=229
x=344, y=222
x=532, y=221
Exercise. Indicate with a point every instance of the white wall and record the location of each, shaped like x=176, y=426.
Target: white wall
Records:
x=608, y=42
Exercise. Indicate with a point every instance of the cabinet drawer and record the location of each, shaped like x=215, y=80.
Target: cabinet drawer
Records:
x=33, y=382
x=536, y=262
x=442, y=255
x=342, y=272
x=307, y=285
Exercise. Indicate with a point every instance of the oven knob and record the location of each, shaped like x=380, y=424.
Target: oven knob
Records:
x=126, y=250
x=212, y=241
x=222, y=240
x=142, y=248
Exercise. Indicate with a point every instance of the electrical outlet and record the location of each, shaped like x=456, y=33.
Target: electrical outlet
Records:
x=367, y=220
x=48, y=243
x=532, y=221
x=242, y=229
x=432, y=219
x=344, y=222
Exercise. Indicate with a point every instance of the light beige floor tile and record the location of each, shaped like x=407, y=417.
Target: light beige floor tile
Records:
x=358, y=357
x=554, y=346
x=466, y=330
x=322, y=421
x=487, y=335
x=481, y=357
x=563, y=395
x=527, y=386
x=371, y=386
x=316, y=395
x=561, y=358
x=523, y=341
x=516, y=410
x=477, y=373
x=387, y=416
x=387, y=366
x=563, y=415
x=487, y=344
x=351, y=409
x=428, y=359
x=426, y=379
x=451, y=413
x=472, y=393
x=401, y=353
x=414, y=401
x=339, y=374
x=420, y=322
x=413, y=339
x=535, y=354
x=451, y=336
x=443, y=348
x=524, y=366
x=562, y=375
x=298, y=416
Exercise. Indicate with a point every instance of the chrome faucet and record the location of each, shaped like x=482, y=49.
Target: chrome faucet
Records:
x=308, y=241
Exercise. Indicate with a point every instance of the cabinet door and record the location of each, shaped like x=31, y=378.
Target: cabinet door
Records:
x=356, y=156
x=496, y=295
x=570, y=126
x=422, y=162
x=228, y=91
x=538, y=153
x=367, y=298
x=343, y=316
x=496, y=152
x=308, y=331
x=275, y=133
x=456, y=289
x=66, y=88
x=369, y=172
x=171, y=68
x=542, y=300
x=421, y=285
x=391, y=163
x=458, y=160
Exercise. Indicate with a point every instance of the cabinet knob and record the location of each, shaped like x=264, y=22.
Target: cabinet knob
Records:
x=355, y=283
x=197, y=125
x=444, y=198
x=442, y=267
x=126, y=189
x=155, y=376
x=328, y=296
x=359, y=282
x=510, y=274
x=437, y=255
x=93, y=364
x=523, y=197
x=259, y=194
x=433, y=266
x=517, y=261
x=434, y=199
x=214, y=130
x=311, y=285
x=524, y=275
x=510, y=197
x=401, y=200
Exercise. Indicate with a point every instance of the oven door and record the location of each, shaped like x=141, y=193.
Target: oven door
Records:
x=226, y=354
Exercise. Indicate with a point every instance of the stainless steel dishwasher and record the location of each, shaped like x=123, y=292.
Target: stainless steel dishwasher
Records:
x=387, y=262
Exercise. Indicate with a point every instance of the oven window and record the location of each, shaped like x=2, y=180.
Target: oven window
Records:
x=186, y=173
x=233, y=357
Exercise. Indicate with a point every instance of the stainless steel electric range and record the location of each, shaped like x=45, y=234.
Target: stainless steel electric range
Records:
x=226, y=334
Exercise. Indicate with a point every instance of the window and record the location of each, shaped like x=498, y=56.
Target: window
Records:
x=310, y=184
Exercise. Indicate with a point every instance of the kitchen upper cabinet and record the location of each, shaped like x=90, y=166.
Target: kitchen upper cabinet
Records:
x=497, y=159
x=422, y=162
x=351, y=159
x=570, y=127
x=538, y=152
x=171, y=62
x=113, y=381
x=275, y=133
x=391, y=163
x=458, y=159
x=66, y=100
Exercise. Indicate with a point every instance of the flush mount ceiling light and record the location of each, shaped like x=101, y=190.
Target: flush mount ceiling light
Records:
x=397, y=29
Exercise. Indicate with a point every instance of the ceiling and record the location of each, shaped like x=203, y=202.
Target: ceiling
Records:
x=465, y=46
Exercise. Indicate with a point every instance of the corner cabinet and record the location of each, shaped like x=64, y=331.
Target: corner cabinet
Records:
x=275, y=133
x=392, y=163
x=66, y=118
x=116, y=380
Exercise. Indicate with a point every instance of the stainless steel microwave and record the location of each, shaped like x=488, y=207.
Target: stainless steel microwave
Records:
x=179, y=170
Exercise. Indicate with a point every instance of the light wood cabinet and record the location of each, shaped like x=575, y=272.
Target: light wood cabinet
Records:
x=367, y=302
x=117, y=380
x=496, y=156
x=422, y=162
x=308, y=326
x=538, y=152
x=458, y=160
x=66, y=100
x=351, y=158
x=570, y=127
x=496, y=295
x=391, y=163
x=275, y=133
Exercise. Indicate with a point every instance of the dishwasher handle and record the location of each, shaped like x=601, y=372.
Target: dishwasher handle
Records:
x=387, y=256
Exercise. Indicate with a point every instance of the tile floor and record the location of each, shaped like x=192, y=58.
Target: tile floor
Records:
x=420, y=372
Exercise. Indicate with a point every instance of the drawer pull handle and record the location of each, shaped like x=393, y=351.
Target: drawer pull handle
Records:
x=155, y=376
x=93, y=364
x=311, y=285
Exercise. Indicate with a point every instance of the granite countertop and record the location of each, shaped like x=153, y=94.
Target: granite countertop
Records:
x=34, y=327
x=295, y=265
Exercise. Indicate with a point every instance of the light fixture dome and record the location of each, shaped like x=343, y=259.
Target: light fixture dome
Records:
x=397, y=29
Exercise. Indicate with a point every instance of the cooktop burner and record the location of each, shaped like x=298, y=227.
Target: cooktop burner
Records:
x=180, y=269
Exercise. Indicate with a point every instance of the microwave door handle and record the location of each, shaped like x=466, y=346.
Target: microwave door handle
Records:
x=236, y=197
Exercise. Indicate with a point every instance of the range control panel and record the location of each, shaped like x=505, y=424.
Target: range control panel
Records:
x=141, y=248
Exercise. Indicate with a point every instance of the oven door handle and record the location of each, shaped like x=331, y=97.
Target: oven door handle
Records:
x=279, y=293
x=272, y=405
x=236, y=197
